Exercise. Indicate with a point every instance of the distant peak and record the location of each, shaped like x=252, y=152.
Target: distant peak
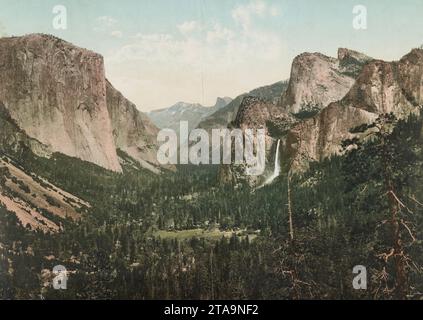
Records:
x=223, y=99
x=222, y=102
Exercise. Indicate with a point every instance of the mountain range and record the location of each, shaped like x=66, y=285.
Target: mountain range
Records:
x=80, y=185
x=55, y=98
x=194, y=113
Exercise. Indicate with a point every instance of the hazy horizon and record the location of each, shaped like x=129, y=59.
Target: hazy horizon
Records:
x=160, y=53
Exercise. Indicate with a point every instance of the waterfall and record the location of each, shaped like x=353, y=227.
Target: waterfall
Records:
x=277, y=170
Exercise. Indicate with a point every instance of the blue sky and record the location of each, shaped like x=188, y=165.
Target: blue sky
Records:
x=158, y=52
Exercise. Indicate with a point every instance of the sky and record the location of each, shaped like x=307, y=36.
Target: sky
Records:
x=159, y=52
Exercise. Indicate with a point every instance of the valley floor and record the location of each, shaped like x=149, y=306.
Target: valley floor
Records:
x=184, y=236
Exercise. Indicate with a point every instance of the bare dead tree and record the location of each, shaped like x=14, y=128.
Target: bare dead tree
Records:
x=291, y=226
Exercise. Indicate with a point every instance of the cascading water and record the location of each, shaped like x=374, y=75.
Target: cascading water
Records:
x=277, y=170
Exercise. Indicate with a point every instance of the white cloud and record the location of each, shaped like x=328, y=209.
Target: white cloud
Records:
x=200, y=62
x=219, y=33
x=116, y=34
x=274, y=11
x=104, y=23
x=188, y=27
x=107, y=26
x=243, y=14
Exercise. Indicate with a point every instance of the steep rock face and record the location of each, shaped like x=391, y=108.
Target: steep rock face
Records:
x=56, y=92
x=133, y=131
x=257, y=113
x=15, y=140
x=250, y=110
x=375, y=87
x=382, y=87
x=351, y=62
x=317, y=80
x=253, y=113
x=410, y=76
x=321, y=136
x=385, y=87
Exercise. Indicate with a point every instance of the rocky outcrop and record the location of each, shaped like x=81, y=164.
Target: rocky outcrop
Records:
x=344, y=93
x=382, y=87
x=249, y=110
x=225, y=116
x=15, y=140
x=56, y=92
x=257, y=113
x=58, y=95
x=321, y=136
x=317, y=80
x=133, y=131
x=254, y=112
x=351, y=62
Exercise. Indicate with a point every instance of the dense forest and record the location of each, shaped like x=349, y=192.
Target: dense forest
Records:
x=182, y=235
